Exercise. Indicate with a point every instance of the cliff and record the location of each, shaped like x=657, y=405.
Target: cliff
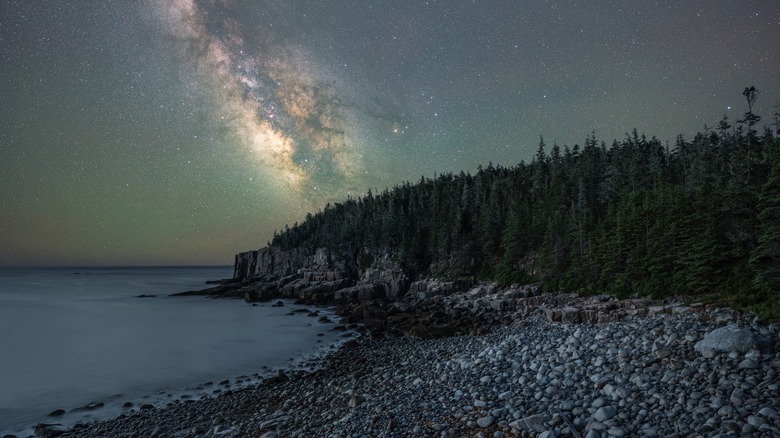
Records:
x=275, y=262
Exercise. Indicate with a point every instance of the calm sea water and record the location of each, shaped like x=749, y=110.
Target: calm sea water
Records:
x=69, y=337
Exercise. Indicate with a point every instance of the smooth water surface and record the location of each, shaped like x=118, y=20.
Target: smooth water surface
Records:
x=69, y=337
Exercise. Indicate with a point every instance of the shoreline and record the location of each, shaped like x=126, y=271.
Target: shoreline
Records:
x=532, y=377
x=115, y=404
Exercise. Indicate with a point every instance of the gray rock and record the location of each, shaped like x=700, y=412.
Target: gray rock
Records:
x=47, y=430
x=566, y=405
x=736, y=397
x=605, y=413
x=485, y=421
x=595, y=425
x=726, y=411
x=718, y=402
x=748, y=364
x=755, y=421
x=356, y=401
x=730, y=338
x=709, y=353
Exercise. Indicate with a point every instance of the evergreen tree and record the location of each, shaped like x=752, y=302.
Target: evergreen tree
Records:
x=765, y=259
x=637, y=217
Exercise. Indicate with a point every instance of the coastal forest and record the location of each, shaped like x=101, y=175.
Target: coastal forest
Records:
x=638, y=217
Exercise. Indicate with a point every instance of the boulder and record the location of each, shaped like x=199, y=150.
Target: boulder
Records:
x=570, y=315
x=553, y=315
x=730, y=338
x=500, y=305
x=46, y=430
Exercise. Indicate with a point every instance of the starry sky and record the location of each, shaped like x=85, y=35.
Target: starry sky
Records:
x=169, y=132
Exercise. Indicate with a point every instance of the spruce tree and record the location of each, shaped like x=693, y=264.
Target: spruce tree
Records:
x=765, y=259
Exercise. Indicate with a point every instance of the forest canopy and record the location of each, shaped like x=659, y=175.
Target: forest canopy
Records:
x=636, y=217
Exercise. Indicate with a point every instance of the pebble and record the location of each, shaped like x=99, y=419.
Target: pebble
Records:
x=525, y=377
x=592, y=434
x=768, y=412
x=605, y=413
x=485, y=421
x=748, y=364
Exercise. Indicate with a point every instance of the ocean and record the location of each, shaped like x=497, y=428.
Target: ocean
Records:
x=73, y=336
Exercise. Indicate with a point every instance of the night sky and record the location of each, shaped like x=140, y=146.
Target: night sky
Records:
x=183, y=131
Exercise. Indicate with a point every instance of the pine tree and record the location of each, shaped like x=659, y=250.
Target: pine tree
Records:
x=765, y=259
x=513, y=248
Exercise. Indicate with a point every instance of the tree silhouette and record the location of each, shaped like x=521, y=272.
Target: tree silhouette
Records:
x=750, y=118
x=635, y=218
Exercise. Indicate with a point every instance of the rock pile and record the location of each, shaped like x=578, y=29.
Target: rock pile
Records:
x=602, y=308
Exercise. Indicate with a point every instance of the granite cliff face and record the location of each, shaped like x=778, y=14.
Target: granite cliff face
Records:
x=298, y=273
x=373, y=289
x=273, y=261
x=268, y=261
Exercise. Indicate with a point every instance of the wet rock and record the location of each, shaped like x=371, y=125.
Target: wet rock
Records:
x=48, y=430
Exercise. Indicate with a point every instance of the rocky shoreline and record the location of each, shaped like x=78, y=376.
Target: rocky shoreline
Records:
x=464, y=358
x=540, y=370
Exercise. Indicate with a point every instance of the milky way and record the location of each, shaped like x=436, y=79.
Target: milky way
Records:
x=184, y=131
x=274, y=103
